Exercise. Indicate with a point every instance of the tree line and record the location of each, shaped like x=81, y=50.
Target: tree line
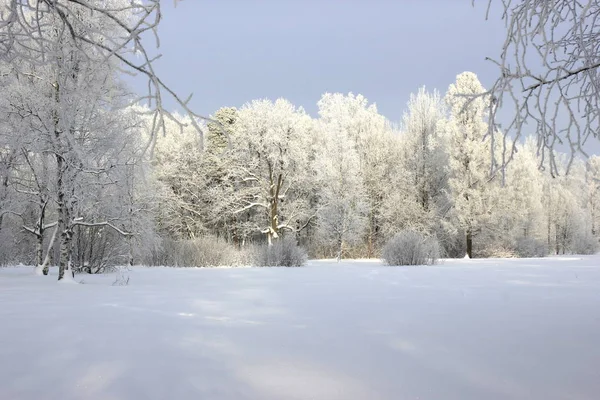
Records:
x=87, y=181
x=341, y=184
x=344, y=183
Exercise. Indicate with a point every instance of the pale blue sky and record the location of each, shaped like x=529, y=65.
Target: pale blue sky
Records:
x=229, y=52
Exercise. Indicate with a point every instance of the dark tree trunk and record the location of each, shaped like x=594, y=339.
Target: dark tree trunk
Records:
x=470, y=243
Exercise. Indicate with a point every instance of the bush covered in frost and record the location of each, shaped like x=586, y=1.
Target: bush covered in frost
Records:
x=530, y=247
x=284, y=252
x=585, y=243
x=411, y=248
x=200, y=252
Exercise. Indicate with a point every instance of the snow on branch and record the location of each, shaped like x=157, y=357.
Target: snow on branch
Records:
x=548, y=74
x=94, y=224
x=250, y=206
x=118, y=32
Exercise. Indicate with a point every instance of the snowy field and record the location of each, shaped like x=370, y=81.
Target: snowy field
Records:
x=464, y=330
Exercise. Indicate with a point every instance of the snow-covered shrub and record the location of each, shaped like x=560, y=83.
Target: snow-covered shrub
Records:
x=205, y=252
x=93, y=269
x=530, y=247
x=97, y=250
x=585, y=243
x=200, y=252
x=495, y=251
x=122, y=276
x=452, y=245
x=489, y=244
x=283, y=253
x=411, y=248
x=15, y=245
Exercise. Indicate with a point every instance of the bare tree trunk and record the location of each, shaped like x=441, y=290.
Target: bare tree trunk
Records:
x=64, y=219
x=236, y=239
x=549, y=233
x=370, y=238
x=5, y=189
x=44, y=265
x=274, y=191
x=39, y=258
x=130, y=250
x=60, y=187
x=65, y=252
x=39, y=251
x=469, y=243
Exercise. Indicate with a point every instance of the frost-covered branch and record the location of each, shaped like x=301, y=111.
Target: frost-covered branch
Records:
x=96, y=224
x=548, y=75
x=112, y=32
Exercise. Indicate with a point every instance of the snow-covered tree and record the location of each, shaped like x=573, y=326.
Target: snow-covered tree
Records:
x=270, y=164
x=593, y=186
x=70, y=54
x=515, y=217
x=9, y=161
x=343, y=202
x=371, y=135
x=562, y=214
x=11, y=204
x=178, y=166
x=220, y=130
x=523, y=193
x=469, y=156
x=66, y=111
x=115, y=204
x=35, y=185
x=104, y=32
x=425, y=159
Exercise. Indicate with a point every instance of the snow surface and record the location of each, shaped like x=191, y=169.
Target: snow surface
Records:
x=467, y=329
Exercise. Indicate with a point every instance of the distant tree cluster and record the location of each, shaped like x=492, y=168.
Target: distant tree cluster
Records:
x=346, y=182
x=342, y=184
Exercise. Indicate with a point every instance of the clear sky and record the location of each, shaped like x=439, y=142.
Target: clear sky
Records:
x=229, y=52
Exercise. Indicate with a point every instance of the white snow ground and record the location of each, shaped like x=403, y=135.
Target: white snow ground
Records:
x=467, y=329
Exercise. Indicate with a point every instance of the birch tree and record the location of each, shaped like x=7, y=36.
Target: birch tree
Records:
x=72, y=53
x=110, y=208
x=36, y=185
x=62, y=115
